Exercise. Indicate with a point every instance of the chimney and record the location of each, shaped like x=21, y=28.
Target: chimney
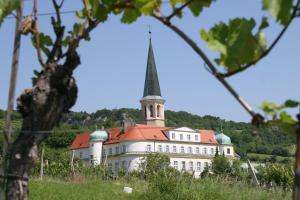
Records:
x=126, y=122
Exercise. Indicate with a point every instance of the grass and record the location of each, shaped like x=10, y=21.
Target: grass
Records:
x=62, y=190
x=208, y=189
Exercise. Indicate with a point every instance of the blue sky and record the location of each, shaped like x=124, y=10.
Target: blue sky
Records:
x=114, y=63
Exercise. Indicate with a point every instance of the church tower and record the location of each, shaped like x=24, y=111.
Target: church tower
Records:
x=152, y=104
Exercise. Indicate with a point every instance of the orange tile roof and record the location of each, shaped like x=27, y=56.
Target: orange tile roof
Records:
x=137, y=132
x=81, y=141
x=208, y=137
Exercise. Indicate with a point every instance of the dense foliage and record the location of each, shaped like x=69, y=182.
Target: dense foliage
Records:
x=269, y=141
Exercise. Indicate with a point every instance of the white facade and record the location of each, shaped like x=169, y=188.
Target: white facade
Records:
x=184, y=147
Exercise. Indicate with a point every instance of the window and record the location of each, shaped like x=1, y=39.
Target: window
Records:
x=181, y=137
x=167, y=149
x=80, y=154
x=198, y=166
x=124, y=164
x=204, y=150
x=145, y=112
x=159, y=148
x=117, y=150
x=191, y=166
x=174, y=149
x=110, y=151
x=212, y=151
x=91, y=157
x=124, y=148
x=228, y=151
x=196, y=137
x=104, y=152
x=189, y=137
x=197, y=150
x=190, y=150
x=173, y=136
x=175, y=164
x=148, y=148
x=158, y=111
x=182, y=149
x=151, y=111
x=183, y=165
x=116, y=166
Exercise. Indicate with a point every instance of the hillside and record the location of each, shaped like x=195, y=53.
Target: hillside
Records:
x=269, y=141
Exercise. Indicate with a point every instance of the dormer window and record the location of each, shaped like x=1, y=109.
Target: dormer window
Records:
x=173, y=136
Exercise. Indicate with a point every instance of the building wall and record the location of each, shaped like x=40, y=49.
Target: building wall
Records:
x=129, y=154
x=83, y=153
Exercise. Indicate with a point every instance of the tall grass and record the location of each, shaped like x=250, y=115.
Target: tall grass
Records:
x=204, y=189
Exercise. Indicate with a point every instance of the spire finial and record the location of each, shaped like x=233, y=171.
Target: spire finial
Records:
x=149, y=32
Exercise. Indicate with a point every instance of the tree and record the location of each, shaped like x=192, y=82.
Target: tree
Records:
x=221, y=165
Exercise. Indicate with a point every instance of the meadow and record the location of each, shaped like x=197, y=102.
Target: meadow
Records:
x=208, y=189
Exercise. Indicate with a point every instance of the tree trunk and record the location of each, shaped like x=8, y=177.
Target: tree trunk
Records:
x=42, y=106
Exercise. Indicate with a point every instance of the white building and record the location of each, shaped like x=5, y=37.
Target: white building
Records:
x=125, y=147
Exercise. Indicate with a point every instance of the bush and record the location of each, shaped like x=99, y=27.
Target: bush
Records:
x=281, y=175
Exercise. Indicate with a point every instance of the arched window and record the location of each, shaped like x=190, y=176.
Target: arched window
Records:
x=145, y=112
x=151, y=111
x=158, y=111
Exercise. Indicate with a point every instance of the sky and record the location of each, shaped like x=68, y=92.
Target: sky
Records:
x=113, y=63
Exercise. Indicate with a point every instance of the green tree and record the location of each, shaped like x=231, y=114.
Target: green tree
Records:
x=221, y=165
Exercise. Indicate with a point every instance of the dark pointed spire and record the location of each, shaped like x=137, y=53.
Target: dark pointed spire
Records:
x=151, y=87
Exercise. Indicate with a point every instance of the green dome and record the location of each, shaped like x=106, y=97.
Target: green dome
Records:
x=98, y=135
x=223, y=139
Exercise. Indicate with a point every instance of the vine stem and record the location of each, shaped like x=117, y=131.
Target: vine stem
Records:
x=210, y=65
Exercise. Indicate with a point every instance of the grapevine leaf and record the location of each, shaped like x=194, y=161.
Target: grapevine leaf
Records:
x=130, y=15
x=280, y=9
x=196, y=6
x=235, y=42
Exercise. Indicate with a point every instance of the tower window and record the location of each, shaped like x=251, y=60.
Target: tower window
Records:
x=145, y=112
x=228, y=151
x=158, y=111
x=151, y=111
